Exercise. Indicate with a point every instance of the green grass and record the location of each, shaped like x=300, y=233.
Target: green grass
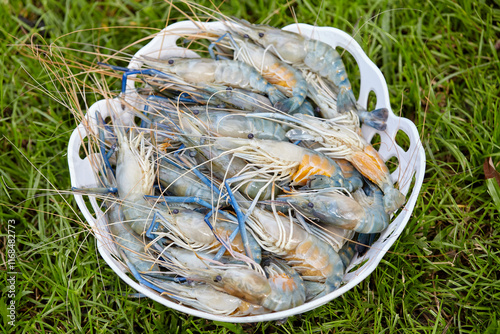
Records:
x=441, y=63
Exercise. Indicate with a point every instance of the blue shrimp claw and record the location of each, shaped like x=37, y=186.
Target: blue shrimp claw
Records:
x=241, y=218
x=102, y=139
x=214, y=45
x=128, y=72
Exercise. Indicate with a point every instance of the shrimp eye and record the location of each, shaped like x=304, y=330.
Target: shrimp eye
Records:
x=170, y=61
x=196, y=112
x=250, y=136
x=218, y=278
x=261, y=34
x=175, y=211
x=229, y=88
x=310, y=204
x=246, y=36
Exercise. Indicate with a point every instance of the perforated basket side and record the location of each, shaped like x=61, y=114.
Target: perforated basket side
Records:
x=411, y=163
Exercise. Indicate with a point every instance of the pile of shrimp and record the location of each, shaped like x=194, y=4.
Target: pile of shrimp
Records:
x=245, y=173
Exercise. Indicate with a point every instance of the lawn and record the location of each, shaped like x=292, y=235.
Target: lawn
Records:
x=441, y=62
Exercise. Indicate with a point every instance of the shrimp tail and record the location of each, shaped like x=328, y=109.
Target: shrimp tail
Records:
x=365, y=240
x=347, y=253
x=377, y=118
x=333, y=281
x=314, y=290
x=346, y=100
x=393, y=199
x=289, y=105
x=305, y=109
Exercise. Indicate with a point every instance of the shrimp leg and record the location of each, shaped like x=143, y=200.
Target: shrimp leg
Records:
x=214, y=44
x=138, y=276
x=289, y=80
x=244, y=235
x=241, y=218
x=210, y=184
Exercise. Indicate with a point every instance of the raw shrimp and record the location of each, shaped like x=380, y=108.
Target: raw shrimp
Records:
x=226, y=166
x=280, y=290
x=289, y=160
x=298, y=50
x=188, y=229
x=314, y=259
x=227, y=124
x=206, y=71
x=134, y=176
x=333, y=207
x=288, y=79
x=338, y=141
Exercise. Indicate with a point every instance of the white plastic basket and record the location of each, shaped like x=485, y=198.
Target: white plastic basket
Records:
x=411, y=163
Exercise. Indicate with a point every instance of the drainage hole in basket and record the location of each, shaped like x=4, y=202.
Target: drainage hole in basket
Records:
x=137, y=121
x=405, y=184
x=376, y=141
x=403, y=140
x=392, y=164
x=357, y=266
x=389, y=236
x=200, y=46
x=88, y=203
x=84, y=148
x=372, y=101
